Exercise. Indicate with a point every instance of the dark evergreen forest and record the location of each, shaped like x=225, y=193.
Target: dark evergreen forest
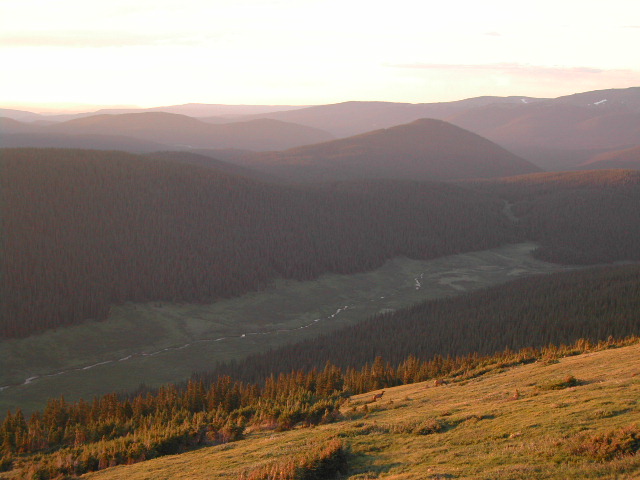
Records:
x=536, y=311
x=82, y=230
x=577, y=217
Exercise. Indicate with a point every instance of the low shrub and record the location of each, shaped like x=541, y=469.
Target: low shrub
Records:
x=566, y=382
x=320, y=463
x=611, y=445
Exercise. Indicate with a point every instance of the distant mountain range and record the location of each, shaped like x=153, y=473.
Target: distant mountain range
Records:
x=352, y=118
x=160, y=131
x=190, y=109
x=564, y=133
x=556, y=134
x=425, y=149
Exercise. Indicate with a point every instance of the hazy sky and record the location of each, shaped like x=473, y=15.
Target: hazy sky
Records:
x=164, y=52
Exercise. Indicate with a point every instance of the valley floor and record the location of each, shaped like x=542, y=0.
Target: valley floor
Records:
x=158, y=343
x=509, y=423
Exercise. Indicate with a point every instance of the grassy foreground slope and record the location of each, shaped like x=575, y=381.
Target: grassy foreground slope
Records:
x=479, y=428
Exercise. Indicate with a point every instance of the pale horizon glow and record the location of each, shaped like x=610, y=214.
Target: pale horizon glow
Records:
x=73, y=54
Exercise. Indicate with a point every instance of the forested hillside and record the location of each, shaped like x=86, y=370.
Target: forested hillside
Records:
x=578, y=217
x=85, y=229
x=212, y=162
x=425, y=149
x=625, y=158
x=530, y=312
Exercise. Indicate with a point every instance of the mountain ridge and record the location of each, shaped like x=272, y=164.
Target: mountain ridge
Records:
x=425, y=149
x=625, y=158
x=594, y=122
x=170, y=131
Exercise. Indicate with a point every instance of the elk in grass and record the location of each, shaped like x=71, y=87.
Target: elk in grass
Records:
x=377, y=396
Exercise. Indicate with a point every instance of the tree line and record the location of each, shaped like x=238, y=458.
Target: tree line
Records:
x=70, y=439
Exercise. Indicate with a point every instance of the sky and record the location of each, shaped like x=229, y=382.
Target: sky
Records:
x=71, y=54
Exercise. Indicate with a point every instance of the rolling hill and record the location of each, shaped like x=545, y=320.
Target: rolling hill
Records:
x=352, y=118
x=219, y=111
x=629, y=98
x=88, y=141
x=562, y=133
x=229, y=111
x=19, y=134
x=222, y=166
x=628, y=158
x=20, y=115
x=553, y=125
x=183, y=132
x=9, y=126
x=152, y=131
x=426, y=149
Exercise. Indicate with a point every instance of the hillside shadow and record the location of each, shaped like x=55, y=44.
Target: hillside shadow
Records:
x=365, y=465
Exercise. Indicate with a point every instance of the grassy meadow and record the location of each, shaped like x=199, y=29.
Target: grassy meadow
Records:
x=156, y=343
x=508, y=423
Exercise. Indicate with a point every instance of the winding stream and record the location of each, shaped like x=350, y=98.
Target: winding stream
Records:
x=448, y=275
x=30, y=380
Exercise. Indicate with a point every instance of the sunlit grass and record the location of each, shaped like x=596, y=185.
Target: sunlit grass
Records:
x=472, y=429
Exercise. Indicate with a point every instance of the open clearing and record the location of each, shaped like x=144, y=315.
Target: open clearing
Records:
x=156, y=343
x=486, y=432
